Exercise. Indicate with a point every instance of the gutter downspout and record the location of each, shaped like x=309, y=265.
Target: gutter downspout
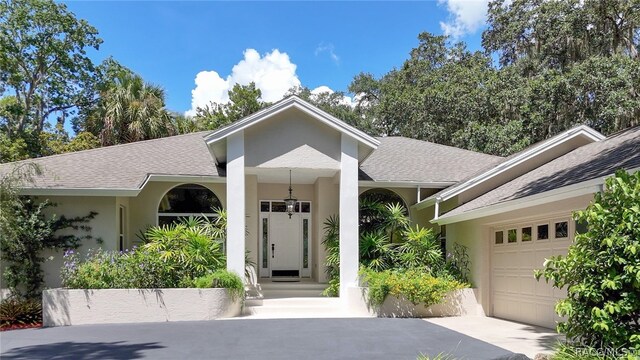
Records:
x=437, y=208
x=418, y=194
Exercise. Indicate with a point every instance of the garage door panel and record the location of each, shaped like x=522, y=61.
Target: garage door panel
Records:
x=516, y=294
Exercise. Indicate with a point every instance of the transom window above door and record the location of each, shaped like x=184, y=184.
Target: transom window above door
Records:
x=187, y=200
x=277, y=206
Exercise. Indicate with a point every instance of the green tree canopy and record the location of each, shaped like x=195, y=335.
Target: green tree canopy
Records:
x=43, y=63
x=244, y=100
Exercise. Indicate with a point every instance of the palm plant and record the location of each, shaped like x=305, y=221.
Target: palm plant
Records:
x=420, y=250
x=130, y=110
x=376, y=252
x=395, y=219
x=331, y=242
x=186, y=247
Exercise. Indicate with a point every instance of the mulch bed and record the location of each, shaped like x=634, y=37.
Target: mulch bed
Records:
x=20, y=326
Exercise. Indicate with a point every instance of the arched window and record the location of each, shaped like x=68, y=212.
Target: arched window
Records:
x=383, y=196
x=187, y=200
x=372, y=205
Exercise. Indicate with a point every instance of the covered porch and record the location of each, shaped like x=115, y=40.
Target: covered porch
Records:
x=291, y=144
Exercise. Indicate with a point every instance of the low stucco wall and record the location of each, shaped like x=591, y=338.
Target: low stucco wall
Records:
x=462, y=302
x=62, y=307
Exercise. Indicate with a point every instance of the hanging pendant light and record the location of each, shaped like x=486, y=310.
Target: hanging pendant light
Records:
x=290, y=201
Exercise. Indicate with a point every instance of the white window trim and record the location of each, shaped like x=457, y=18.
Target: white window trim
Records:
x=520, y=233
x=569, y=230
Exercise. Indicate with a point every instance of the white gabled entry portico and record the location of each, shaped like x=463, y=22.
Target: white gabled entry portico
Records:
x=324, y=155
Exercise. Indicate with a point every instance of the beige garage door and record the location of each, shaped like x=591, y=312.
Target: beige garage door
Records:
x=517, y=251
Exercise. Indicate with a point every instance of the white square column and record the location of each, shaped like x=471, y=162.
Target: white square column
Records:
x=349, y=253
x=235, y=204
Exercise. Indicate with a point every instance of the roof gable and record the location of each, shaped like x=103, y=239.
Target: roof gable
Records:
x=217, y=139
x=516, y=165
x=579, y=171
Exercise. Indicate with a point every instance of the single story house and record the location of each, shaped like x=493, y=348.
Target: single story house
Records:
x=510, y=213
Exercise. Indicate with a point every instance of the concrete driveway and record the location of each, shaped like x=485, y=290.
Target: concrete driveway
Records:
x=368, y=338
x=517, y=337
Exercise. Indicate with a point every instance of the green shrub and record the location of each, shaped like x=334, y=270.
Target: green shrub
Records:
x=222, y=279
x=173, y=257
x=118, y=270
x=26, y=231
x=417, y=286
x=411, y=248
x=602, y=270
x=16, y=311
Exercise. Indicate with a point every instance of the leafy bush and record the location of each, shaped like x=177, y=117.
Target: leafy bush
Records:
x=190, y=250
x=602, y=270
x=222, y=279
x=411, y=248
x=417, y=286
x=118, y=270
x=174, y=256
x=27, y=231
x=16, y=311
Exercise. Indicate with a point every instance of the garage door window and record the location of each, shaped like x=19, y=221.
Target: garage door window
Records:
x=526, y=234
x=562, y=230
x=499, y=237
x=512, y=236
x=543, y=232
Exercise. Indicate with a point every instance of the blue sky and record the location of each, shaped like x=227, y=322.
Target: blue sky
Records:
x=309, y=43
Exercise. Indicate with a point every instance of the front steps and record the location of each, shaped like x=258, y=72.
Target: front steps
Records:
x=301, y=289
x=293, y=300
x=295, y=308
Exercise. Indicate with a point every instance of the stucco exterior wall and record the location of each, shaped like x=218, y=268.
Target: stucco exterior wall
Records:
x=292, y=140
x=103, y=226
x=476, y=236
x=327, y=196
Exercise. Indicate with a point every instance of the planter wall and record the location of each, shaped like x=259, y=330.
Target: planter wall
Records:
x=458, y=303
x=62, y=307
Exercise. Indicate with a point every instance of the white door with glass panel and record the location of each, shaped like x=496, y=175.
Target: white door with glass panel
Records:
x=285, y=243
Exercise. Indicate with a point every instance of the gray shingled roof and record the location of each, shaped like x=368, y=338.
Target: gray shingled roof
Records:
x=125, y=166
x=592, y=161
x=405, y=159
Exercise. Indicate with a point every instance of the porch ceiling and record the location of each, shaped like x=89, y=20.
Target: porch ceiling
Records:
x=281, y=175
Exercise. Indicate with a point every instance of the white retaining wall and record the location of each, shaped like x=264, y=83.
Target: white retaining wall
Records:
x=458, y=303
x=62, y=307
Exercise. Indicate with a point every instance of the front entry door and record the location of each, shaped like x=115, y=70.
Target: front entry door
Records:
x=285, y=246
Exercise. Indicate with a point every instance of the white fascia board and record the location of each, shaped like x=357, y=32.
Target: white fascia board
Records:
x=566, y=192
x=285, y=104
x=78, y=192
x=185, y=178
x=504, y=166
x=430, y=201
x=405, y=184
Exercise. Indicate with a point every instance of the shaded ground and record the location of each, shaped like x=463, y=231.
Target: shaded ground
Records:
x=368, y=338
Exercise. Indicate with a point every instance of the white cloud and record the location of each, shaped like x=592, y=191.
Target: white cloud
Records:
x=329, y=49
x=466, y=16
x=346, y=100
x=273, y=73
